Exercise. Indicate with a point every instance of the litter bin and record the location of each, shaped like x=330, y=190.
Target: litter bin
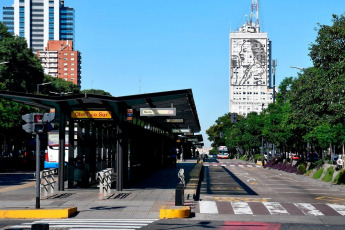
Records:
x=179, y=195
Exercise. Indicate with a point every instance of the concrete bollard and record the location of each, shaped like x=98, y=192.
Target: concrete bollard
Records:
x=179, y=195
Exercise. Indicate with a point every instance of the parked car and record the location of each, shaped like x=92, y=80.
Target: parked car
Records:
x=295, y=156
x=312, y=157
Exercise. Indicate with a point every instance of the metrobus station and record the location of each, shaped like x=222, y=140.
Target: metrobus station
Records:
x=130, y=134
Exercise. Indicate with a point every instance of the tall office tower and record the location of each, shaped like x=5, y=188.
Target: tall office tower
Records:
x=39, y=21
x=250, y=69
x=60, y=60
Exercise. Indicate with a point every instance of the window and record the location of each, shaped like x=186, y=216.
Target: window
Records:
x=72, y=59
x=64, y=64
x=72, y=54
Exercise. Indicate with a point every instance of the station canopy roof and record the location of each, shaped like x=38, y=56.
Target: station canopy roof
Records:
x=182, y=100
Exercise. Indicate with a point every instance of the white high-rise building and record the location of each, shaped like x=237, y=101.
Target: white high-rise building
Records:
x=39, y=21
x=251, y=89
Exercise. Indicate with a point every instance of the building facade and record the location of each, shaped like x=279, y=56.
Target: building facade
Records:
x=39, y=21
x=60, y=60
x=250, y=70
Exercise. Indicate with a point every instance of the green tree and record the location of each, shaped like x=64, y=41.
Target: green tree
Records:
x=58, y=86
x=23, y=71
x=96, y=91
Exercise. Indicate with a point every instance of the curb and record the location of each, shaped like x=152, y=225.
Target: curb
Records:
x=38, y=213
x=174, y=212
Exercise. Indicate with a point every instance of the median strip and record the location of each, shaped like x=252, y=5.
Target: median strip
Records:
x=38, y=213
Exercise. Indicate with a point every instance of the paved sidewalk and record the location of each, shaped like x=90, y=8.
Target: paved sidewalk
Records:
x=142, y=201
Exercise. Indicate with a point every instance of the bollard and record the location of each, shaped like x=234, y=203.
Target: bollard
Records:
x=40, y=226
x=179, y=195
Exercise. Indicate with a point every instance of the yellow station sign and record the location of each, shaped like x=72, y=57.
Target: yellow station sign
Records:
x=91, y=114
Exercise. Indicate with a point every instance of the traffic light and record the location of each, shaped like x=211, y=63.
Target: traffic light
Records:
x=38, y=122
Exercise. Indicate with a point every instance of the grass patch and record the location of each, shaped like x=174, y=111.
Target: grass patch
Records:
x=243, y=157
x=318, y=174
x=340, y=178
x=329, y=175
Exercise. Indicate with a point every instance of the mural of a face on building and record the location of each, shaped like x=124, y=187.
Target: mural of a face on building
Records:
x=249, y=63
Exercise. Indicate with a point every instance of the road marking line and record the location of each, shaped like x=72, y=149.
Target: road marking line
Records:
x=338, y=208
x=209, y=207
x=11, y=188
x=275, y=208
x=308, y=209
x=241, y=208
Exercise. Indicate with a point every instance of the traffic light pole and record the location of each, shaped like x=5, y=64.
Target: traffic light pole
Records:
x=38, y=178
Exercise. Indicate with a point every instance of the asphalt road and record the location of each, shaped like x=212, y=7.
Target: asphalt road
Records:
x=240, y=195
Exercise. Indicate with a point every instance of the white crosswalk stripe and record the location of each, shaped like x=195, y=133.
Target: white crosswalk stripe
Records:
x=241, y=208
x=230, y=165
x=208, y=207
x=92, y=224
x=308, y=209
x=274, y=208
x=338, y=208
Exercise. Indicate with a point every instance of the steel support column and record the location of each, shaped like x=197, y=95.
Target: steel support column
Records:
x=62, y=128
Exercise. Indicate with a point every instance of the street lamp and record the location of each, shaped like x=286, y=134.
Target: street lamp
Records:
x=5, y=62
x=38, y=86
x=274, y=65
x=295, y=67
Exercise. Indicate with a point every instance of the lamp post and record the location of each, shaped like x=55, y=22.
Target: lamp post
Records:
x=295, y=67
x=5, y=62
x=274, y=64
x=38, y=86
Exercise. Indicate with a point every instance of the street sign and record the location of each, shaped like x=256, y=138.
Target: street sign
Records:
x=180, y=130
x=129, y=114
x=152, y=112
x=91, y=114
x=178, y=121
x=188, y=134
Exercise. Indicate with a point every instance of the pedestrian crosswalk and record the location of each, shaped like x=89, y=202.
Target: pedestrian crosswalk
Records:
x=231, y=165
x=269, y=208
x=90, y=224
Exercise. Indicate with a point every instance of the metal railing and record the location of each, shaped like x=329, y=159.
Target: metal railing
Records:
x=105, y=178
x=47, y=182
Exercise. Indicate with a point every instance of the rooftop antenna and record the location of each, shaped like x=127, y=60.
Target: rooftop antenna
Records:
x=255, y=14
x=140, y=85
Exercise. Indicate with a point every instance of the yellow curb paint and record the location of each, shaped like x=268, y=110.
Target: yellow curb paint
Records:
x=174, y=212
x=38, y=213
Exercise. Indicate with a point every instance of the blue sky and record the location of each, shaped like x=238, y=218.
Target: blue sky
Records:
x=143, y=46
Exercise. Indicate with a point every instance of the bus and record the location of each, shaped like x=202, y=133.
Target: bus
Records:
x=223, y=152
x=51, y=159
